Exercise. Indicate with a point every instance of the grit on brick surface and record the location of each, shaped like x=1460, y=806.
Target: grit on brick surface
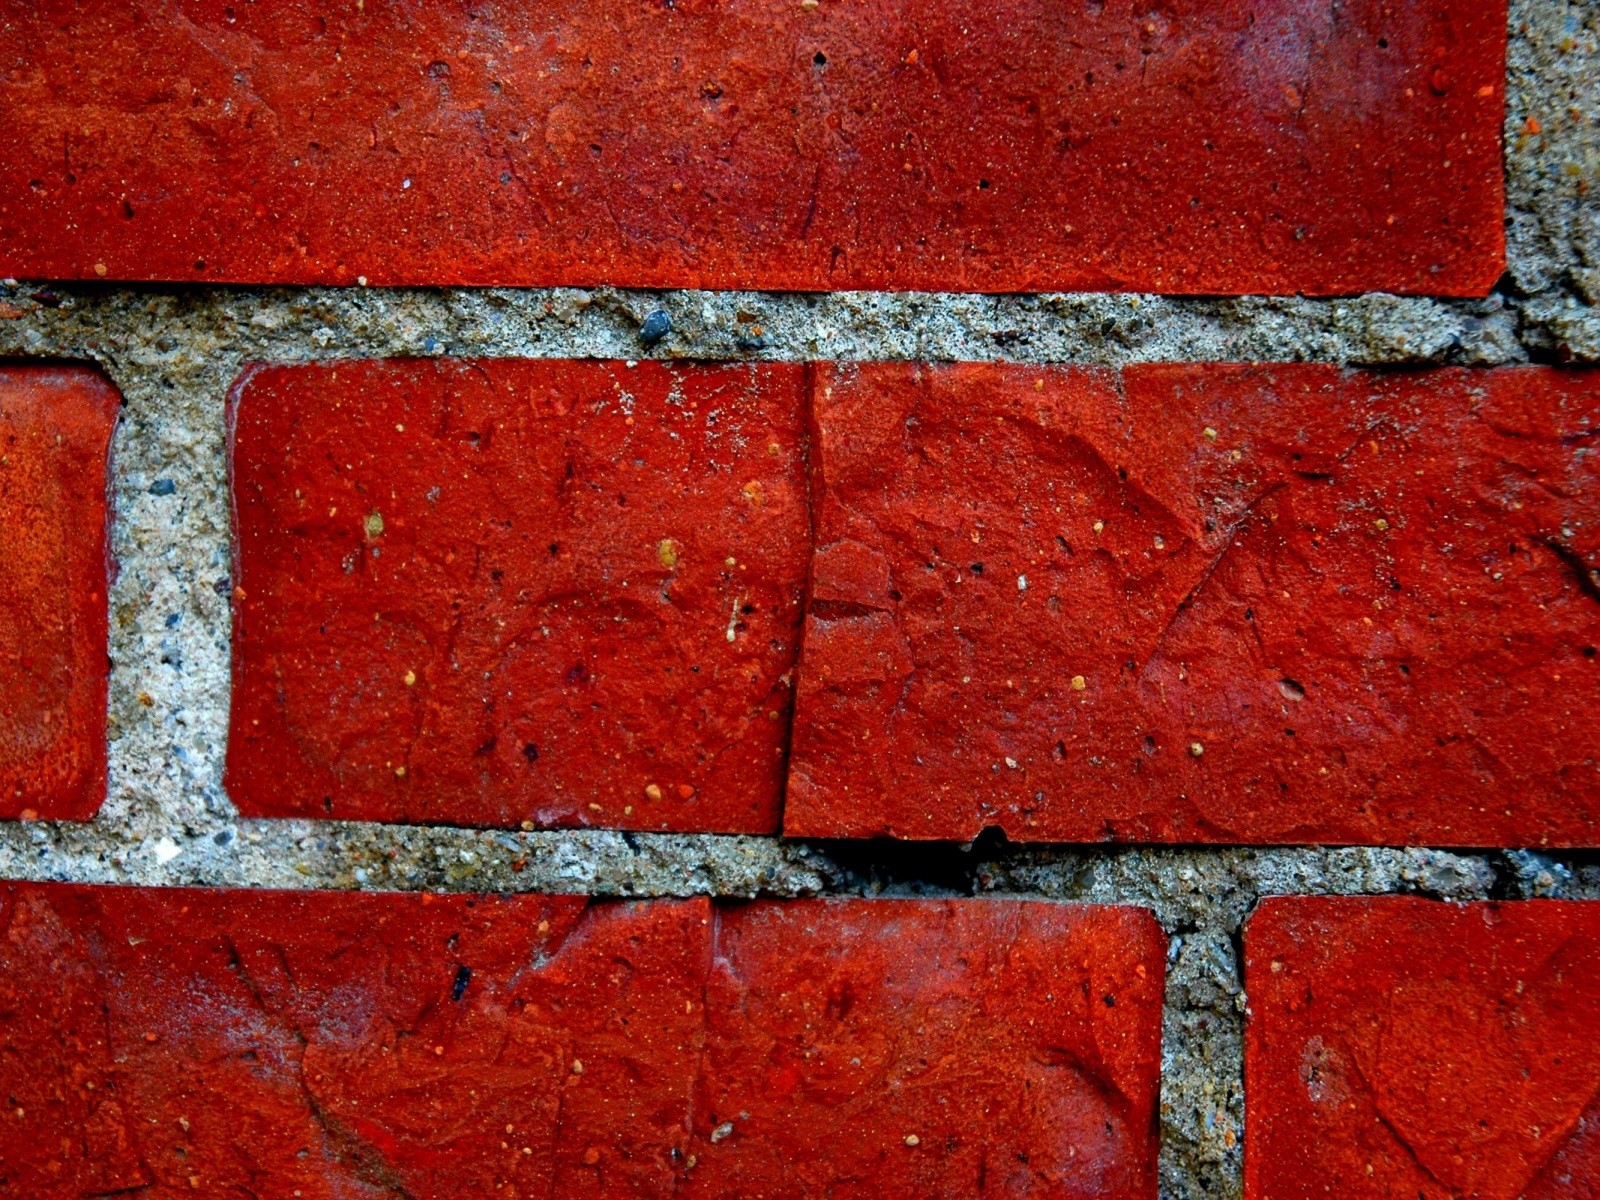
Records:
x=1405, y=1047
x=1205, y=147
x=1202, y=603
x=342, y=1045
x=517, y=592
x=174, y=354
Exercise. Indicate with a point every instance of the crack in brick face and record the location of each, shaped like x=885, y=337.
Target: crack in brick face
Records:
x=173, y=353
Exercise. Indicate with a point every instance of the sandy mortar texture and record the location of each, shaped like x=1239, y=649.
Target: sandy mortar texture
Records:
x=174, y=352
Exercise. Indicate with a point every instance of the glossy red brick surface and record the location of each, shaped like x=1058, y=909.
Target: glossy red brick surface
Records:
x=1199, y=146
x=55, y=438
x=869, y=1048
x=1403, y=1047
x=492, y=592
x=368, y=1045
x=1203, y=603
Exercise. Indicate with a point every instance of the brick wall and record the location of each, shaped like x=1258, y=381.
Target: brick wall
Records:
x=506, y=693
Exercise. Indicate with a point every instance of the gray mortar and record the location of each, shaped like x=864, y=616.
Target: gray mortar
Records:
x=173, y=352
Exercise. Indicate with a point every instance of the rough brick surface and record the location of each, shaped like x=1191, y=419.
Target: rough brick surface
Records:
x=565, y=593
x=1402, y=1047
x=235, y=1043
x=875, y=1048
x=229, y=1044
x=55, y=436
x=1202, y=603
x=1202, y=146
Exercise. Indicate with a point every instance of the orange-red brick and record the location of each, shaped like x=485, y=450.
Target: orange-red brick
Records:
x=355, y=1045
x=55, y=438
x=1403, y=1047
x=1202, y=146
x=506, y=591
x=1202, y=603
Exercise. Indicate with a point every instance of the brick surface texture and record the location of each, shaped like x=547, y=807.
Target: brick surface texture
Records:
x=55, y=436
x=1402, y=1047
x=674, y=640
x=1202, y=603
x=1203, y=146
x=229, y=1043
x=505, y=591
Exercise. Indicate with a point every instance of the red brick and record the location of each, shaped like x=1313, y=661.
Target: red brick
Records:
x=869, y=1048
x=217, y=1043
x=356, y=1045
x=55, y=438
x=1202, y=146
x=1369, y=602
x=1401, y=1047
x=491, y=592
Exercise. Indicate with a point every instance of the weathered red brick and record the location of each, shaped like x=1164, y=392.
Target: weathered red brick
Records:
x=868, y=1048
x=1402, y=1047
x=1203, y=603
x=492, y=592
x=55, y=438
x=356, y=1045
x=224, y=1043
x=1200, y=146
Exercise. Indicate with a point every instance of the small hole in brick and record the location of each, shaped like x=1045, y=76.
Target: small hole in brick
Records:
x=819, y=59
x=1588, y=651
x=530, y=752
